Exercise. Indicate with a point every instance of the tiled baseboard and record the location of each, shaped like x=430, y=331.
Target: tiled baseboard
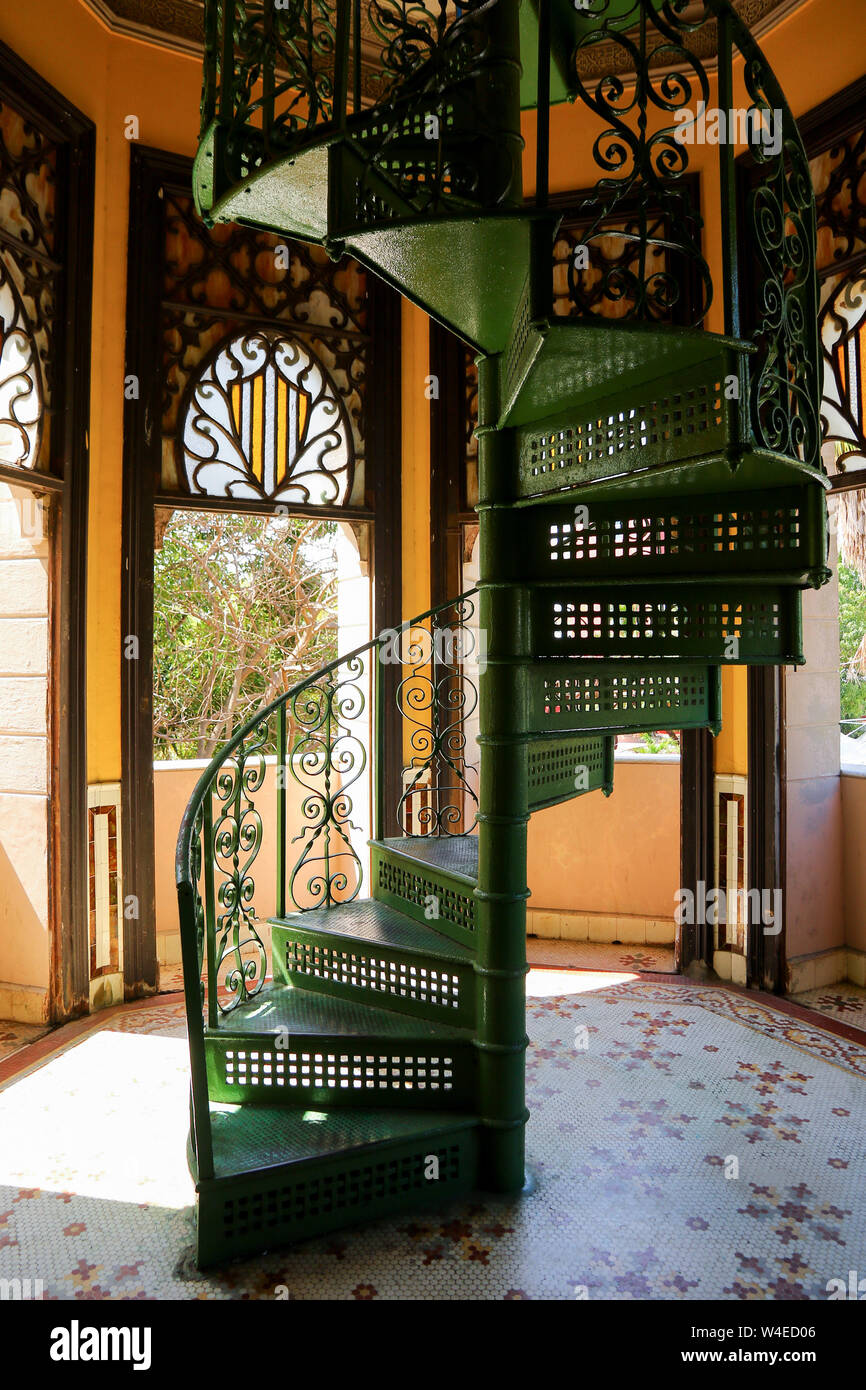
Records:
x=23, y=1003
x=730, y=965
x=598, y=926
x=826, y=968
x=168, y=948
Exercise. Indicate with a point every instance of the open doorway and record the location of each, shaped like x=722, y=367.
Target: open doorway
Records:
x=271, y=435
x=246, y=607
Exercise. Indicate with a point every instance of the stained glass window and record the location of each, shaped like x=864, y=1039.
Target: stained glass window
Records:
x=843, y=343
x=262, y=421
x=20, y=386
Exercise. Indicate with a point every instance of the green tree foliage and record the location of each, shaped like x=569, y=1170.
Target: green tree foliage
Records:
x=852, y=630
x=244, y=608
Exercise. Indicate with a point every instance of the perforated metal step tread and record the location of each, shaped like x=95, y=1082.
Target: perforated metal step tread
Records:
x=252, y=1137
x=568, y=362
x=378, y=924
x=283, y=1008
x=454, y=854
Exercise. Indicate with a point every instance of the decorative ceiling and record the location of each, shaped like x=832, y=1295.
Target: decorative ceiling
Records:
x=179, y=24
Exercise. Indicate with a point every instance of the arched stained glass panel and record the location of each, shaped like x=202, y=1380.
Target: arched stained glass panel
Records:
x=20, y=383
x=843, y=341
x=262, y=422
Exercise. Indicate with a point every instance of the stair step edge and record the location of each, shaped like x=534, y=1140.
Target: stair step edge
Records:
x=391, y=846
x=438, y=945
x=431, y=1124
x=367, y=1023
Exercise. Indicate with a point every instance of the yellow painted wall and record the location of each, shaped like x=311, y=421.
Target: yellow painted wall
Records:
x=819, y=49
x=816, y=51
x=416, y=461
x=108, y=77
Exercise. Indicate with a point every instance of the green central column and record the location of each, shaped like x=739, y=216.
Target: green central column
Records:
x=502, y=891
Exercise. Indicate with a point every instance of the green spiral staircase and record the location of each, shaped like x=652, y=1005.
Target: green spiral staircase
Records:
x=651, y=507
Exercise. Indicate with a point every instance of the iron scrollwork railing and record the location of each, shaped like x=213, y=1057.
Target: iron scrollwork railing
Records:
x=786, y=377
x=416, y=89
x=640, y=206
x=307, y=755
x=438, y=700
x=643, y=73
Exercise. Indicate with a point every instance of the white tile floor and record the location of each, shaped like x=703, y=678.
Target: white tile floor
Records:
x=641, y=1094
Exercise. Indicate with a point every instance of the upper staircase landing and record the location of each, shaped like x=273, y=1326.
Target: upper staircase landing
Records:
x=395, y=134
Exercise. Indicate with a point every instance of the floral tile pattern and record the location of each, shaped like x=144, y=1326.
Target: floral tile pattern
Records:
x=844, y=1001
x=687, y=1141
x=14, y=1036
x=598, y=955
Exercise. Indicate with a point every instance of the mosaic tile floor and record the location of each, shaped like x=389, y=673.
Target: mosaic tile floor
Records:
x=643, y=1093
x=14, y=1036
x=170, y=978
x=597, y=955
x=843, y=1001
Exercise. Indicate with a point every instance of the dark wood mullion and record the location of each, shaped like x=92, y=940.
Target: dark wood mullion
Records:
x=71, y=947
x=141, y=464
x=200, y=502
x=697, y=840
x=831, y=123
x=310, y=330
x=447, y=462
x=835, y=120
x=766, y=954
x=384, y=452
x=66, y=491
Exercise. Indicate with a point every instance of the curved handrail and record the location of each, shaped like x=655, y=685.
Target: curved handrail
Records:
x=325, y=747
x=184, y=839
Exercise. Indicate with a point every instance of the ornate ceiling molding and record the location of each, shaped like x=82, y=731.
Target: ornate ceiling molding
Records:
x=179, y=24
x=174, y=24
x=760, y=17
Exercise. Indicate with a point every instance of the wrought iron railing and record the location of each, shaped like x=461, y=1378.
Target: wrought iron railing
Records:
x=433, y=77
x=320, y=741
x=323, y=737
x=644, y=74
x=423, y=97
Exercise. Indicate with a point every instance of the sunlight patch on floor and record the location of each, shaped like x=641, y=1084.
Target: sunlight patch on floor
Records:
x=547, y=983
x=120, y=1101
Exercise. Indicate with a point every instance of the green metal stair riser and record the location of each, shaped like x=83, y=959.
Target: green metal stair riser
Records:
x=408, y=887
x=686, y=622
x=426, y=987
x=332, y=1071
x=558, y=770
x=395, y=185
x=777, y=537
x=242, y=1216
x=623, y=697
x=662, y=423
x=607, y=413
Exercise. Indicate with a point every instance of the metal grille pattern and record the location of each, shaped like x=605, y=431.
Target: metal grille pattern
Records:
x=399, y=978
x=669, y=623
x=621, y=700
x=677, y=424
x=278, y=1210
x=330, y=1067
x=552, y=764
x=746, y=530
x=415, y=889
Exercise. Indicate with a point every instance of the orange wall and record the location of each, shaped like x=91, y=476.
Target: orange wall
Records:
x=415, y=330
x=108, y=77
x=816, y=51
x=617, y=855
